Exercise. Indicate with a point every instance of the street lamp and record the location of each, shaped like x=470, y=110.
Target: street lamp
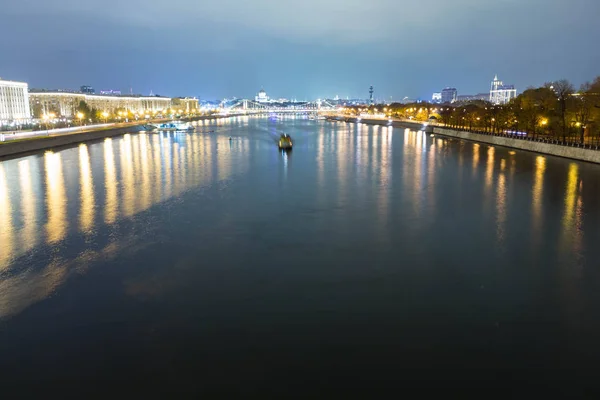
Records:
x=80, y=118
x=105, y=115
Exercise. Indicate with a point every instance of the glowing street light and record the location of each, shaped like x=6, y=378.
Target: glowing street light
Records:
x=80, y=117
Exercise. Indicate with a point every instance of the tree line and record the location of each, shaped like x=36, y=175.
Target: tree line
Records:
x=556, y=110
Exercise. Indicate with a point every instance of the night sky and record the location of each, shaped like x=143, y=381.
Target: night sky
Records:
x=303, y=49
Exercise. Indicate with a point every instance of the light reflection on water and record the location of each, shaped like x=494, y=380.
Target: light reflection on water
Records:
x=151, y=168
x=392, y=176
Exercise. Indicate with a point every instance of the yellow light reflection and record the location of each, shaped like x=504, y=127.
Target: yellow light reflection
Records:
x=146, y=189
x=571, y=197
x=135, y=168
x=29, y=232
x=157, y=168
x=176, y=177
x=88, y=201
x=476, y=148
x=168, y=166
x=320, y=160
x=501, y=207
x=538, y=191
x=431, y=184
x=128, y=187
x=110, y=183
x=56, y=198
x=489, y=172
x=418, y=173
x=6, y=224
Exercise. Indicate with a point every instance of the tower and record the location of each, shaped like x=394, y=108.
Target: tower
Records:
x=496, y=83
x=371, y=95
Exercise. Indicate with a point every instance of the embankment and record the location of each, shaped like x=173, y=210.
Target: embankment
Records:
x=572, y=152
x=575, y=153
x=47, y=142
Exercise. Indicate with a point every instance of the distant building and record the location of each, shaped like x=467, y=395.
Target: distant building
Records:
x=87, y=90
x=111, y=92
x=371, y=95
x=501, y=93
x=262, y=97
x=436, y=97
x=449, y=95
x=65, y=104
x=473, y=97
x=14, y=103
x=185, y=104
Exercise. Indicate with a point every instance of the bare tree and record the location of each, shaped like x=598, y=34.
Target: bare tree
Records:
x=563, y=89
x=582, y=108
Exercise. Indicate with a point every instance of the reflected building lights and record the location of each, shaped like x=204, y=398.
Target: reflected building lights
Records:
x=419, y=170
x=128, y=180
x=110, y=183
x=431, y=183
x=571, y=197
x=136, y=167
x=176, y=168
x=157, y=168
x=489, y=172
x=88, y=201
x=29, y=233
x=476, y=148
x=56, y=198
x=537, y=193
x=320, y=160
x=166, y=149
x=146, y=189
x=501, y=207
x=6, y=222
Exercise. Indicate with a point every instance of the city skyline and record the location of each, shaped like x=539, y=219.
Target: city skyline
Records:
x=305, y=51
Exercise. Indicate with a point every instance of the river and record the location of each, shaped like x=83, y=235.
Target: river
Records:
x=189, y=260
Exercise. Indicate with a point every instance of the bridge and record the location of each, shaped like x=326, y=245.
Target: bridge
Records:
x=246, y=106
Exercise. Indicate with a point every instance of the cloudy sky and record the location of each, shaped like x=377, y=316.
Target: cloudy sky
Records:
x=302, y=49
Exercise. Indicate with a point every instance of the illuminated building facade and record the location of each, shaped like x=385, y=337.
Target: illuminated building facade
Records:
x=65, y=104
x=500, y=93
x=262, y=97
x=14, y=103
x=185, y=104
x=449, y=95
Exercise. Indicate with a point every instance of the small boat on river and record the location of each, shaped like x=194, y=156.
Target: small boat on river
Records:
x=285, y=142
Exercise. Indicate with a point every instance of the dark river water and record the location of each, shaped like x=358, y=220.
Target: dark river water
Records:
x=369, y=256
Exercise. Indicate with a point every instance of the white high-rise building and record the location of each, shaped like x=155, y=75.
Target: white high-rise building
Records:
x=501, y=93
x=14, y=103
x=261, y=97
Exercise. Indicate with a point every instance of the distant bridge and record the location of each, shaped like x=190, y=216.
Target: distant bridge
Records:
x=252, y=107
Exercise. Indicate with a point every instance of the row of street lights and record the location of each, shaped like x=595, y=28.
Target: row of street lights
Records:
x=50, y=117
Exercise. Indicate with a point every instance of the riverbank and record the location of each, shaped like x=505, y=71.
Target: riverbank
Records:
x=32, y=144
x=572, y=152
x=29, y=145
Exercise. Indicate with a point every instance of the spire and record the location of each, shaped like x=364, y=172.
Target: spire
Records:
x=496, y=77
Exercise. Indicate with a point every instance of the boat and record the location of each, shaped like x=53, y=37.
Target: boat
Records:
x=175, y=126
x=285, y=142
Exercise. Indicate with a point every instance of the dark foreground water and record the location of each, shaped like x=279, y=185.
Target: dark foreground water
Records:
x=369, y=257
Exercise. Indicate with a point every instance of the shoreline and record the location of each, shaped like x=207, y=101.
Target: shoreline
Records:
x=542, y=148
x=19, y=148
